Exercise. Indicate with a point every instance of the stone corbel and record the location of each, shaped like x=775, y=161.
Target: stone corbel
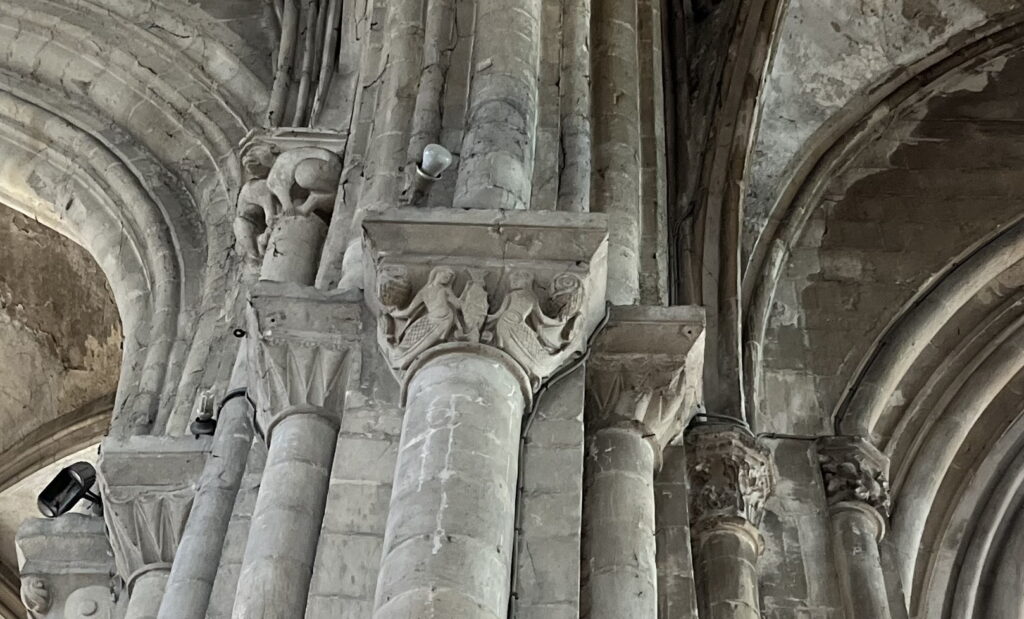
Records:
x=304, y=346
x=52, y=581
x=526, y=288
x=645, y=371
x=730, y=477
x=148, y=483
x=856, y=476
x=290, y=172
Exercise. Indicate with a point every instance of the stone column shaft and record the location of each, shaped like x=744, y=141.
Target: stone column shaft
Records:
x=726, y=570
x=618, y=526
x=496, y=170
x=285, y=527
x=292, y=250
x=448, y=547
x=857, y=490
x=616, y=178
x=730, y=478
x=855, y=534
x=190, y=583
x=146, y=591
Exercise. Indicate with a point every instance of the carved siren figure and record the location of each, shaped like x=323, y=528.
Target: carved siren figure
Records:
x=430, y=319
x=301, y=181
x=524, y=331
x=435, y=315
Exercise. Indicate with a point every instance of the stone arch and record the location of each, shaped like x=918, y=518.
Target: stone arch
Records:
x=933, y=380
x=118, y=126
x=848, y=132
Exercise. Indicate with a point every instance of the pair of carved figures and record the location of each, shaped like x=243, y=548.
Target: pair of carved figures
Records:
x=522, y=326
x=300, y=181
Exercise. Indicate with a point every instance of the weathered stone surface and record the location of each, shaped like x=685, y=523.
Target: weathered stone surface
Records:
x=836, y=184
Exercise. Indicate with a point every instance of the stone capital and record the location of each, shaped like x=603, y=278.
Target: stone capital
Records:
x=529, y=284
x=854, y=471
x=52, y=582
x=645, y=370
x=303, y=351
x=148, y=484
x=730, y=475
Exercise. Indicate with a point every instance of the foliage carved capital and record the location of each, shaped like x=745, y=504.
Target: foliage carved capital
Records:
x=854, y=470
x=645, y=369
x=730, y=475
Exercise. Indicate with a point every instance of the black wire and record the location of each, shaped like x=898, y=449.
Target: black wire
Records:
x=523, y=437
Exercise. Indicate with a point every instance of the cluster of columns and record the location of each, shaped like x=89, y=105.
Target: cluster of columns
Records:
x=643, y=382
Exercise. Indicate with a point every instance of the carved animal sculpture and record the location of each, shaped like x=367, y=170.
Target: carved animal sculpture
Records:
x=256, y=209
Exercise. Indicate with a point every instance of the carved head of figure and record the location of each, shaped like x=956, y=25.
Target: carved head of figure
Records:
x=566, y=296
x=35, y=595
x=393, y=287
x=443, y=276
x=520, y=280
x=257, y=159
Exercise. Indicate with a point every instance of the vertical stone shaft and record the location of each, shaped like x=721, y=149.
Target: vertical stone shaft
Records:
x=147, y=589
x=199, y=551
x=286, y=521
x=448, y=545
x=616, y=178
x=856, y=473
x=386, y=152
x=856, y=529
x=496, y=168
x=293, y=249
x=618, y=526
x=726, y=571
x=574, y=93
x=730, y=478
x=677, y=595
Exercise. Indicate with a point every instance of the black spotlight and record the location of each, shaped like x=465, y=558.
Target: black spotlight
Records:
x=70, y=486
